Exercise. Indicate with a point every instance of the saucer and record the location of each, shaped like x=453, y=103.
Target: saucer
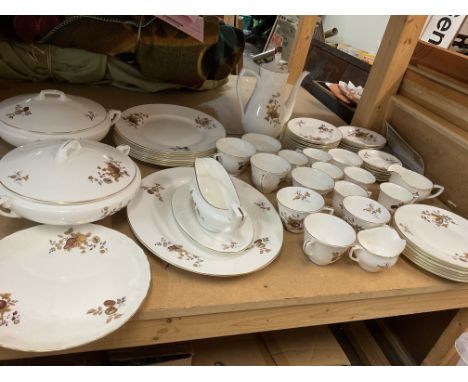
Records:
x=225, y=241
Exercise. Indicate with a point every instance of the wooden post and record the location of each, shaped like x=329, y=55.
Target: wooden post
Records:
x=305, y=31
x=397, y=46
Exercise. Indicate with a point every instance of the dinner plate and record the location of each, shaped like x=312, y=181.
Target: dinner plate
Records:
x=61, y=287
x=361, y=137
x=438, y=232
x=152, y=221
x=228, y=242
x=314, y=131
x=377, y=159
x=170, y=128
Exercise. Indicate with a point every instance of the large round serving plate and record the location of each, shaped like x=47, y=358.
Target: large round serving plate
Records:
x=170, y=129
x=65, y=287
x=153, y=223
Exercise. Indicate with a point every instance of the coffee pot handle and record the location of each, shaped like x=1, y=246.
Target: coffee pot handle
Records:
x=239, y=98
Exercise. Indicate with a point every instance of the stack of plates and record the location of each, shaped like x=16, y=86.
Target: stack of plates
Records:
x=377, y=162
x=358, y=138
x=168, y=135
x=301, y=133
x=436, y=240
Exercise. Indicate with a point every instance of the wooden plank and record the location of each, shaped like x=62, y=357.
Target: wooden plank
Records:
x=443, y=352
x=365, y=345
x=397, y=46
x=450, y=63
x=397, y=346
x=440, y=98
x=173, y=329
x=298, y=56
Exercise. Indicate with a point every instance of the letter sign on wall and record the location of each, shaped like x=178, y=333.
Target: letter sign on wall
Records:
x=441, y=30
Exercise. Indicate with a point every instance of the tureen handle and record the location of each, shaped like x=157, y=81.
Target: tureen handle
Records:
x=5, y=207
x=124, y=149
x=67, y=149
x=52, y=92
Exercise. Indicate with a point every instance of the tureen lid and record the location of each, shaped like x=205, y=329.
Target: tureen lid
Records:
x=67, y=171
x=51, y=112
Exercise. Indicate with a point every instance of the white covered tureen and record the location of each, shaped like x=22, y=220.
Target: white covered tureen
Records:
x=52, y=114
x=66, y=181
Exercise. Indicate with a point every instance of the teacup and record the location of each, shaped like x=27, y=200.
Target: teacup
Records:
x=364, y=213
x=214, y=197
x=234, y=154
x=268, y=170
x=378, y=248
x=263, y=143
x=344, y=158
x=342, y=189
x=313, y=179
x=295, y=203
x=359, y=176
x=326, y=238
x=316, y=155
x=335, y=172
x=295, y=159
x=393, y=196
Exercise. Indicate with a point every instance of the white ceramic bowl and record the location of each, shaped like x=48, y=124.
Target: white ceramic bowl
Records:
x=364, y=213
x=344, y=158
x=359, y=176
x=316, y=155
x=334, y=171
x=263, y=143
x=313, y=179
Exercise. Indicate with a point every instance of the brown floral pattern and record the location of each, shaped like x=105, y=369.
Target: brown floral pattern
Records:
x=293, y=222
x=18, y=177
x=461, y=257
x=299, y=195
x=111, y=172
x=180, y=251
x=19, y=110
x=180, y=148
x=384, y=265
x=272, y=114
x=155, y=190
x=373, y=210
x=230, y=245
x=91, y=115
x=364, y=135
x=84, y=242
x=324, y=129
x=110, y=308
x=241, y=165
x=405, y=228
x=263, y=206
x=335, y=256
x=8, y=315
x=204, y=123
x=438, y=218
x=352, y=223
x=261, y=244
x=135, y=119
x=106, y=211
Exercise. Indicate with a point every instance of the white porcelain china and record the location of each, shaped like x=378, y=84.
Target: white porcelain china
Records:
x=364, y=213
x=437, y=234
x=316, y=155
x=295, y=203
x=326, y=238
x=52, y=115
x=334, y=171
x=163, y=133
x=313, y=179
x=342, y=189
x=359, y=176
x=263, y=143
x=377, y=159
x=361, y=138
x=377, y=249
x=268, y=171
x=234, y=154
x=420, y=186
x=63, y=287
x=295, y=159
x=225, y=241
x=214, y=197
x=66, y=182
x=393, y=196
x=152, y=221
x=267, y=109
x=344, y=158
x=314, y=131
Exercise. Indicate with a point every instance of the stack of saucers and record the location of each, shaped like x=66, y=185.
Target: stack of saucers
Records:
x=377, y=162
x=168, y=135
x=436, y=240
x=358, y=138
x=301, y=133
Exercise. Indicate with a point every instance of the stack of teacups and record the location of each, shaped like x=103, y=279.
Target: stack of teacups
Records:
x=301, y=133
x=364, y=213
x=334, y=171
x=234, y=154
x=358, y=138
x=263, y=143
x=344, y=158
x=313, y=179
x=316, y=155
x=359, y=176
x=268, y=171
x=295, y=203
x=342, y=189
x=295, y=159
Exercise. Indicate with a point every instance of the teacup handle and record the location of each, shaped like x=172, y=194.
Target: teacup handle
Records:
x=5, y=207
x=352, y=256
x=328, y=210
x=114, y=115
x=307, y=244
x=261, y=183
x=439, y=189
x=218, y=157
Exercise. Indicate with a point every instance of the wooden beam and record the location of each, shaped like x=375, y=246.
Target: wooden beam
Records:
x=297, y=59
x=397, y=46
x=443, y=353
